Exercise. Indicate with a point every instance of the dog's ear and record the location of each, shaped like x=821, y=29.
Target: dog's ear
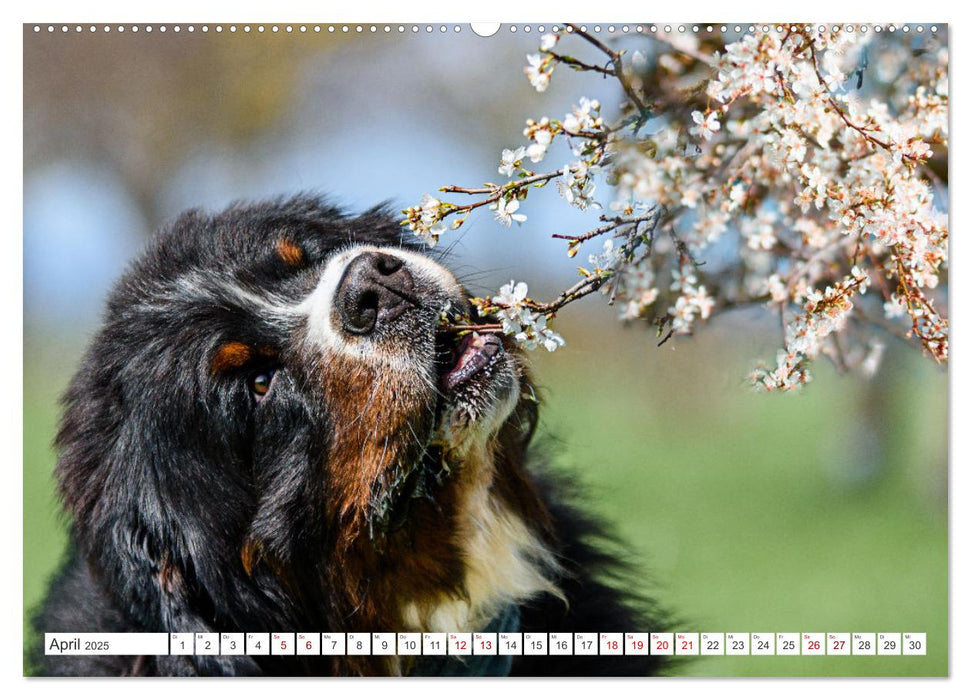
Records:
x=288, y=522
x=140, y=516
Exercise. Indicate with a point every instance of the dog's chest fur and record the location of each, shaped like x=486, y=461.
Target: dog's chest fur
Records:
x=505, y=562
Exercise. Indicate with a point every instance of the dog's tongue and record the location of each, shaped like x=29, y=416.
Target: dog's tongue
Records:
x=474, y=353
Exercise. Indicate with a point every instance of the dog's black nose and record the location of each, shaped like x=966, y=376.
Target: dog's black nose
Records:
x=376, y=288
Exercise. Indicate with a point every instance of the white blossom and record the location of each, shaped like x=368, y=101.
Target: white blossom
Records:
x=577, y=185
x=707, y=125
x=510, y=160
x=548, y=41
x=505, y=211
x=538, y=70
x=529, y=328
x=426, y=220
x=541, y=133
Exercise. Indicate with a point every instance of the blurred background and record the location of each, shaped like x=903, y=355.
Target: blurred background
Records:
x=822, y=511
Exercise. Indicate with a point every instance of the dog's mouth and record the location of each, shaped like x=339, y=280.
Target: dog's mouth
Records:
x=461, y=359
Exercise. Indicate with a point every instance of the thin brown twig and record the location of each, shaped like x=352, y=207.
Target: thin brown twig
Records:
x=502, y=189
x=586, y=286
x=570, y=61
x=461, y=327
x=614, y=223
x=581, y=289
x=617, y=60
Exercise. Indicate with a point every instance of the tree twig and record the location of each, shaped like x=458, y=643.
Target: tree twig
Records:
x=617, y=61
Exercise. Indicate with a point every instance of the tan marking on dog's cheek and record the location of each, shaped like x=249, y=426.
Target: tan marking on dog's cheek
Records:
x=230, y=356
x=289, y=252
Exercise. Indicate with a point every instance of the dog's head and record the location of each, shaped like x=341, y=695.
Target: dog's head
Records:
x=272, y=426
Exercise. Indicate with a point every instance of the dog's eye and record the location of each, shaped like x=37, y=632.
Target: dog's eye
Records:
x=260, y=383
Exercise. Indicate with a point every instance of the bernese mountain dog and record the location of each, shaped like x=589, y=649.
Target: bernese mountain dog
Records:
x=272, y=432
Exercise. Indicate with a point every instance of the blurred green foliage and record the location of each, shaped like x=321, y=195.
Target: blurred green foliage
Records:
x=751, y=512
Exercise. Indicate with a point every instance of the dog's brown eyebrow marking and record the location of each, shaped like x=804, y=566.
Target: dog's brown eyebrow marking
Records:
x=250, y=555
x=230, y=356
x=234, y=354
x=289, y=252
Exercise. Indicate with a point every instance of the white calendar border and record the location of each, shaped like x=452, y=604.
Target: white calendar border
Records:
x=440, y=10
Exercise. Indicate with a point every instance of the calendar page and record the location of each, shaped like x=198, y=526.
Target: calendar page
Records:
x=607, y=349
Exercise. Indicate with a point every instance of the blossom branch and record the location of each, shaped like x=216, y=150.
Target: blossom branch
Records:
x=496, y=191
x=580, y=65
x=771, y=171
x=615, y=222
x=867, y=136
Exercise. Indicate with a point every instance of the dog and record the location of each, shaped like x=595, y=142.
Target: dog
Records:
x=272, y=432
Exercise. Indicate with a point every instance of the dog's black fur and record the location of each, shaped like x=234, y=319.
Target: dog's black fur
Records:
x=194, y=508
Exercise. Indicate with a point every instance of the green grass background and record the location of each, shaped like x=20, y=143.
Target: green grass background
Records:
x=818, y=512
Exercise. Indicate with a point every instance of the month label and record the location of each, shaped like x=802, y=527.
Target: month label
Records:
x=106, y=643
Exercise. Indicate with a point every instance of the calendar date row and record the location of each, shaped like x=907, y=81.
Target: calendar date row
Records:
x=491, y=644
